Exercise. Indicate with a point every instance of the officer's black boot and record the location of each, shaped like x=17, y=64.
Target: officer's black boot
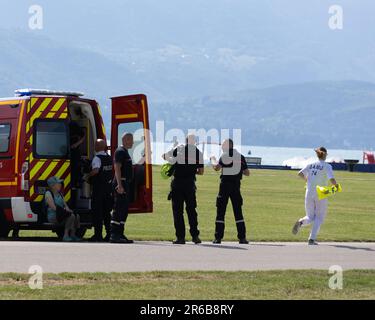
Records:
x=243, y=241
x=122, y=235
x=179, y=241
x=115, y=234
x=197, y=240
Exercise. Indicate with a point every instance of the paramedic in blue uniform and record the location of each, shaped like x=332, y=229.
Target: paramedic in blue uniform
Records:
x=123, y=177
x=101, y=179
x=188, y=162
x=232, y=165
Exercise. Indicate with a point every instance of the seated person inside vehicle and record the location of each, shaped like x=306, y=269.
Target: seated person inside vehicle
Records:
x=58, y=212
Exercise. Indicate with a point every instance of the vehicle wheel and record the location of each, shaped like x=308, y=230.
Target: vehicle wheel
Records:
x=4, y=226
x=81, y=232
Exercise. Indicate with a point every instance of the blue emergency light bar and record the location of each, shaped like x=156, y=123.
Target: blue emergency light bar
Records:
x=30, y=92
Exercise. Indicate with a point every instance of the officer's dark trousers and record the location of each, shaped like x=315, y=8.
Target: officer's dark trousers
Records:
x=102, y=204
x=229, y=190
x=120, y=211
x=183, y=191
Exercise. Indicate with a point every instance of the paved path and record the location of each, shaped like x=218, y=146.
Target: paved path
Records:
x=18, y=256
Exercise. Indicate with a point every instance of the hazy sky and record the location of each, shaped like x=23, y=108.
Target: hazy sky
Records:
x=190, y=22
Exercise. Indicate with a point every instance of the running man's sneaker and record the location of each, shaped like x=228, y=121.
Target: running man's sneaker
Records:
x=312, y=242
x=296, y=227
x=243, y=241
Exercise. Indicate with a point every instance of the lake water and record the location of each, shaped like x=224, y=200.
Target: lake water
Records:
x=294, y=157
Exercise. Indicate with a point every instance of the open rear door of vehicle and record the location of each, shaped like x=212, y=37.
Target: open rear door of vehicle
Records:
x=130, y=115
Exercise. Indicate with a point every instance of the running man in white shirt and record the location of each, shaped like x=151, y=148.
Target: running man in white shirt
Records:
x=315, y=174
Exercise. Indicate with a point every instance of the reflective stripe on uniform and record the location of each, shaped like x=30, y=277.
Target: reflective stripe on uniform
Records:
x=220, y=221
x=239, y=221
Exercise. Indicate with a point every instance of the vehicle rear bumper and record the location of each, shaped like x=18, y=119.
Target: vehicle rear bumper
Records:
x=20, y=209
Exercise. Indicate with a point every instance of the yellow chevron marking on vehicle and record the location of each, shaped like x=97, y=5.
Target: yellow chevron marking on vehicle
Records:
x=33, y=101
x=64, y=115
x=31, y=158
x=36, y=168
x=44, y=175
x=47, y=172
x=50, y=115
x=30, y=105
x=38, y=112
x=63, y=168
x=39, y=198
x=28, y=122
x=68, y=195
x=67, y=179
x=31, y=191
x=58, y=105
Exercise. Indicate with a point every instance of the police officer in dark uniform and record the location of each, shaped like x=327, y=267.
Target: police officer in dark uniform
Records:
x=188, y=161
x=232, y=165
x=101, y=179
x=123, y=177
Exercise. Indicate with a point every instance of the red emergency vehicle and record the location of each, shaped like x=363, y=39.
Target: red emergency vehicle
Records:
x=35, y=145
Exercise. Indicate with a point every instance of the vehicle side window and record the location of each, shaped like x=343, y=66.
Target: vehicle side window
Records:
x=4, y=137
x=137, y=153
x=51, y=139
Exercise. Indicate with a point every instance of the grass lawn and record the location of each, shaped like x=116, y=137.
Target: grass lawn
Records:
x=191, y=285
x=273, y=200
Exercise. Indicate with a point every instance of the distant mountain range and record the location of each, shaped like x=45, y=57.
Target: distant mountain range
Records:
x=261, y=66
x=335, y=114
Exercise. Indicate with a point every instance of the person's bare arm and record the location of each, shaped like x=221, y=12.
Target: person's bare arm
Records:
x=200, y=171
x=51, y=203
x=215, y=165
x=246, y=172
x=302, y=176
x=93, y=172
x=79, y=142
x=120, y=188
x=66, y=207
x=333, y=182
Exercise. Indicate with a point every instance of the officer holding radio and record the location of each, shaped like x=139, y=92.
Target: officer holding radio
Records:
x=232, y=165
x=187, y=163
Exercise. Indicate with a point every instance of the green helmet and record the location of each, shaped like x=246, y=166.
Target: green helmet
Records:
x=166, y=170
